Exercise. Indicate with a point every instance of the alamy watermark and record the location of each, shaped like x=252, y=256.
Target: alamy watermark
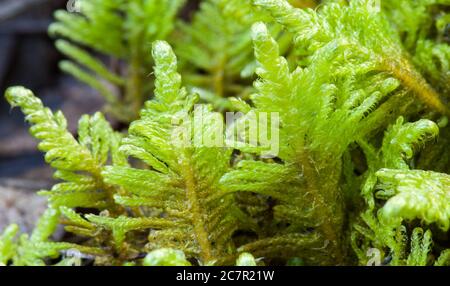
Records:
x=374, y=255
x=374, y=6
x=74, y=257
x=254, y=132
x=73, y=6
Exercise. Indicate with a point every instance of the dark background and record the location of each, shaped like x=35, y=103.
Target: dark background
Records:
x=28, y=58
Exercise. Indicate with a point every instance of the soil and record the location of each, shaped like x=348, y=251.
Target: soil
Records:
x=20, y=204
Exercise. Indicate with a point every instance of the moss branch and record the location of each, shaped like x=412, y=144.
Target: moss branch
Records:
x=303, y=3
x=324, y=207
x=413, y=81
x=198, y=221
x=219, y=76
x=135, y=83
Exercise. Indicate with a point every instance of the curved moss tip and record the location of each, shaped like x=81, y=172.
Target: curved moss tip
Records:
x=10, y=230
x=61, y=44
x=162, y=50
x=14, y=95
x=246, y=259
x=166, y=257
x=259, y=31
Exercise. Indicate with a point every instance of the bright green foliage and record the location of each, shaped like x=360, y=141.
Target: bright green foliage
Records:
x=216, y=49
x=123, y=30
x=356, y=173
x=420, y=247
x=311, y=141
x=166, y=257
x=246, y=259
x=371, y=44
x=401, y=140
x=422, y=26
x=415, y=194
x=436, y=156
x=444, y=259
x=33, y=250
x=78, y=162
x=408, y=194
x=180, y=185
x=7, y=245
x=216, y=43
x=177, y=195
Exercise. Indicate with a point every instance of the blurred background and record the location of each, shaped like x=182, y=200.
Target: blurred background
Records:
x=28, y=58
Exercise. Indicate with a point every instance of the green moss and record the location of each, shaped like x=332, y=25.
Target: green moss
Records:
x=360, y=97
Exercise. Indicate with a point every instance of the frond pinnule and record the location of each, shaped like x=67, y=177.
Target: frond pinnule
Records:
x=401, y=140
x=420, y=247
x=8, y=247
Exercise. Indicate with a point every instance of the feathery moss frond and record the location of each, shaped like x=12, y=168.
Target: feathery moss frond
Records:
x=421, y=26
x=444, y=259
x=122, y=30
x=401, y=140
x=78, y=163
x=436, y=156
x=181, y=181
x=327, y=156
x=374, y=43
x=410, y=194
x=216, y=49
x=415, y=194
x=399, y=144
x=314, y=113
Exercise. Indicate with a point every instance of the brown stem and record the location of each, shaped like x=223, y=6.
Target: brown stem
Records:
x=135, y=83
x=110, y=191
x=196, y=212
x=219, y=74
x=325, y=201
x=134, y=90
x=303, y=3
x=412, y=80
